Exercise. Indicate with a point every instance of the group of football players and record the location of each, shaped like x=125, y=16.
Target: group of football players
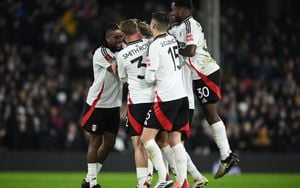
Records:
x=166, y=66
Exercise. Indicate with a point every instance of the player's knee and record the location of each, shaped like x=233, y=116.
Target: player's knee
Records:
x=94, y=144
x=212, y=118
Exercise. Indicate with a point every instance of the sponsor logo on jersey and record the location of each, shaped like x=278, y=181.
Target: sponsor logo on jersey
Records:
x=189, y=37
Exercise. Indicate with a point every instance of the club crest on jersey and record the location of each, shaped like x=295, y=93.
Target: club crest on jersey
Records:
x=94, y=127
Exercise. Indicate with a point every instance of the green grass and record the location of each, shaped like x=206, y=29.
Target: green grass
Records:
x=127, y=180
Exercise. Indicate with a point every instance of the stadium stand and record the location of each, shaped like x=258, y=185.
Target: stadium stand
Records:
x=45, y=67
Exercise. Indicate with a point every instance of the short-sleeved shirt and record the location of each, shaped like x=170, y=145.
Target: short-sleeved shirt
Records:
x=163, y=59
x=131, y=66
x=106, y=89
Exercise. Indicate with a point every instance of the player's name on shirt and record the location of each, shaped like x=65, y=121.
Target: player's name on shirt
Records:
x=168, y=42
x=136, y=50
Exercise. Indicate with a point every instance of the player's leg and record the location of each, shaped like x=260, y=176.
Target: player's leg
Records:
x=110, y=119
x=107, y=145
x=180, y=157
x=93, y=126
x=180, y=124
x=228, y=159
x=91, y=177
x=150, y=130
x=208, y=94
x=140, y=162
x=153, y=151
x=149, y=171
x=136, y=114
x=199, y=179
x=218, y=129
x=167, y=152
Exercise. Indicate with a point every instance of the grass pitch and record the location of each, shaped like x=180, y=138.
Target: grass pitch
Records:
x=128, y=180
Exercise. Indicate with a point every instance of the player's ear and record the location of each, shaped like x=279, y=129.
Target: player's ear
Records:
x=107, y=37
x=154, y=25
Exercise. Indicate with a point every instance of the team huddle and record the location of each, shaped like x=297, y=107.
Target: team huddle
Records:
x=164, y=66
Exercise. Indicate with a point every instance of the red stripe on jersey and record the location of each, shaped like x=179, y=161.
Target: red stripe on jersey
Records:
x=87, y=116
x=186, y=129
x=135, y=124
x=207, y=81
x=163, y=120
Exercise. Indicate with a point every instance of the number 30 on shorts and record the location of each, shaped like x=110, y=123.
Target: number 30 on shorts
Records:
x=203, y=92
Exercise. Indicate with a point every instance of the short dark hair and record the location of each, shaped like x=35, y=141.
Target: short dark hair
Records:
x=129, y=27
x=162, y=18
x=183, y=3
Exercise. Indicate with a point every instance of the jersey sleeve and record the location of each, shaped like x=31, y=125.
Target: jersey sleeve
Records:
x=103, y=58
x=193, y=32
x=121, y=68
x=152, y=60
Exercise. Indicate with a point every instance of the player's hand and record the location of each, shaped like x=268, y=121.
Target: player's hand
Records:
x=114, y=67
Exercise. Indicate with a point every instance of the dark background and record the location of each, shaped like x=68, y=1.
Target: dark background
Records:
x=46, y=70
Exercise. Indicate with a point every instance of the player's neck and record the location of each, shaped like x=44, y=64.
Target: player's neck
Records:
x=186, y=16
x=157, y=33
x=132, y=38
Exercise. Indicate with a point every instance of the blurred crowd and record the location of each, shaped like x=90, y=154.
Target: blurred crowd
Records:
x=46, y=70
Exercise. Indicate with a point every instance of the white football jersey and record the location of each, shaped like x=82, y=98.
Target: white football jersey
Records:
x=188, y=84
x=188, y=32
x=163, y=59
x=106, y=90
x=131, y=66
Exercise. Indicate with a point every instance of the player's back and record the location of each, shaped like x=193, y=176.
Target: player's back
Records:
x=163, y=57
x=132, y=59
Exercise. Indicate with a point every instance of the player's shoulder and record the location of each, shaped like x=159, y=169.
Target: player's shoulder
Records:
x=122, y=51
x=162, y=41
x=105, y=53
x=192, y=23
x=154, y=42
